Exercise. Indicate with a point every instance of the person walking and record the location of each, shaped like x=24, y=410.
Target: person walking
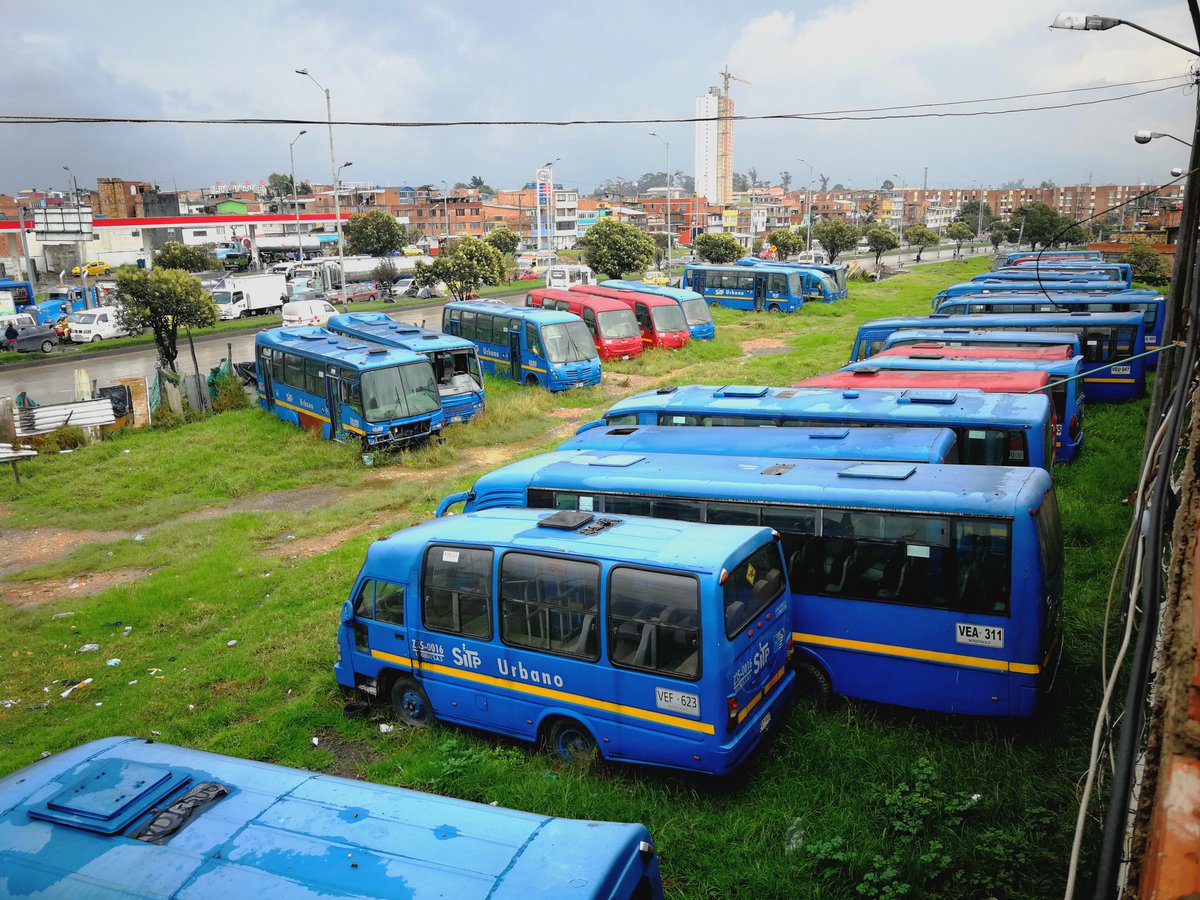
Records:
x=10, y=336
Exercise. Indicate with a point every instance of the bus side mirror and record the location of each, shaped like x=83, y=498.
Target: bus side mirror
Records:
x=347, y=613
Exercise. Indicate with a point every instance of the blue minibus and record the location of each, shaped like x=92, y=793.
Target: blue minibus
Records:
x=662, y=643
x=1112, y=343
x=983, y=338
x=1066, y=388
x=454, y=360
x=541, y=347
x=990, y=429
x=345, y=388
x=695, y=310
x=1020, y=256
x=131, y=817
x=881, y=443
x=1041, y=288
x=927, y=586
x=771, y=288
x=1121, y=273
x=1152, y=306
x=836, y=273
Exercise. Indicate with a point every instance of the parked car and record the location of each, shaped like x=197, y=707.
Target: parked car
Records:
x=99, y=324
x=356, y=293
x=92, y=269
x=307, y=312
x=30, y=335
x=655, y=277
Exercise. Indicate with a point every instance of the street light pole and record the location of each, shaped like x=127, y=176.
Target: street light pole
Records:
x=551, y=204
x=446, y=207
x=808, y=204
x=73, y=185
x=1145, y=137
x=337, y=186
x=670, y=233
x=333, y=170
x=296, y=196
x=979, y=226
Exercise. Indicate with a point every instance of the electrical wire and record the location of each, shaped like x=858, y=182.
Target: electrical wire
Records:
x=851, y=115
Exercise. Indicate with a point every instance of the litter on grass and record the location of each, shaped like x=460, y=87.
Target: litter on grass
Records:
x=88, y=648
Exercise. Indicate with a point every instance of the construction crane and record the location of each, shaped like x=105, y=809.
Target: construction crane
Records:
x=725, y=139
x=728, y=77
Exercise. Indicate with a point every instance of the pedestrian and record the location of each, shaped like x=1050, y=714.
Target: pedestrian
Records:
x=10, y=336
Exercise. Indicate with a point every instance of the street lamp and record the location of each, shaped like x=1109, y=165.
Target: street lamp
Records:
x=979, y=226
x=1084, y=22
x=900, y=224
x=1145, y=137
x=670, y=234
x=808, y=203
x=551, y=203
x=73, y=185
x=333, y=169
x=446, y=206
x=296, y=195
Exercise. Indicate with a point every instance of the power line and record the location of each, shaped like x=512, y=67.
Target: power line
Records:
x=855, y=115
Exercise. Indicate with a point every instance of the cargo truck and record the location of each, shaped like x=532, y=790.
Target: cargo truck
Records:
x=240, y=296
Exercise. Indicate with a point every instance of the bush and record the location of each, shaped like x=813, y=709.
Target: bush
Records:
x=65, y=437
x=165, y=418
x=229, y=395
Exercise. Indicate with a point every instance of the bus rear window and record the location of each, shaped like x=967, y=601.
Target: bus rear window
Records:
x=1050, y=537
x=654, y=622
x=993, y=447
x=752, y=586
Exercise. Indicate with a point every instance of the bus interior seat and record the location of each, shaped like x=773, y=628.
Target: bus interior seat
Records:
x=836, y=564
x=646, y=655
x=584, y=644
x=688, y=666
x=767, y=587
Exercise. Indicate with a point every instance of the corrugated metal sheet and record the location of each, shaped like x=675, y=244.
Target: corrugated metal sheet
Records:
x=44, y=419
x=7, y=453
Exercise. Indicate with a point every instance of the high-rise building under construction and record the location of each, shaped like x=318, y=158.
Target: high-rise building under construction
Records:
x=714, y=142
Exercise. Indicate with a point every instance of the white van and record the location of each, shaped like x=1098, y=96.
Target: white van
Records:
x=99, y=324
x=566, y=276
x=307, y=312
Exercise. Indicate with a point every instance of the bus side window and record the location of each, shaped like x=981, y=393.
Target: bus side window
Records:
x=467, y=326
x=314, y=377
x=642, y=314
x=589, y=319
x=777, y=283
x=277, y=375
x=351, y=391
x=654, y=622
x=550, y=604
x=458, y=591
x=533, y=340
x=293, y=374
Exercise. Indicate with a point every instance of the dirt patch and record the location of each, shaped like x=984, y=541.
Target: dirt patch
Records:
x=37, y=593
x=488, y=457
x=5, y=510
x=618, y=384
x=296, y=548
x=24, y=548
x=297, y=500
x=349, y=759
x=762, y=344
x=567, y=412
x=227, y=688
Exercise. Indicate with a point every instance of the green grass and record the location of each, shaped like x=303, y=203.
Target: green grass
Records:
x=861, y=800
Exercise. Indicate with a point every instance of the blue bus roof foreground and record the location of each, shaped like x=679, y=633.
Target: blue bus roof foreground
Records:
x=931, y=445
x=352, y=351
x=982, y=336
x=383, y=328
x=95, y=821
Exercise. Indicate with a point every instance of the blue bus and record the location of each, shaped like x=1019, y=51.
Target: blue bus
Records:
x=695, y=310
x=1042, y=288
x=129, y=817
x=990, y=429
x=541, y=347
x=1048, y=256
x=983, y=338
x=880, y=444
x=1111, y=343
x=1151, y=305
x=770, y=288
x=835, y=272
x=1066, y=388
x=1122, y=273
x=662, y=643
x=926, y=586
x=454, y=360
x=345, y=388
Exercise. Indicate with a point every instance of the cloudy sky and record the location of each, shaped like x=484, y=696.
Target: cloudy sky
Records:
x=479, y=59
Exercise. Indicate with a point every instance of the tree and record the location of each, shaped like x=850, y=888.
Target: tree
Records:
x=968, y=214
x=384, y=275
x=662, y=243
x=1017, y=185
x=836, y=236
x=959, y=232
x=1047, y=184
x=686, y=183
x=614, y=248
x=475, y=182
x=720, y=249
x=469, y=265
x=740, y=182
x=998, y=233
x=305, y=189
x=376, y=233
x=785, y=180
x=174, y=255
x=279, y=185
x=503, y=239
x=752, y=174
x=888, y=185
x=786, y=242
x=880, y=240
x=1040, y=223
x=1148, y=264
x=824, y=179
x=917, y=235
x=163, y=300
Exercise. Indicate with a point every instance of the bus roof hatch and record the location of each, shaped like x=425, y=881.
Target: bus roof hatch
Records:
x=747, y=391
x=891, y=471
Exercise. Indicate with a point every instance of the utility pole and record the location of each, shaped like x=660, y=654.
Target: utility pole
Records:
x=296, y=196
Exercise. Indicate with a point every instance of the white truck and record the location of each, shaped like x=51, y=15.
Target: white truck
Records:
x=240, y=296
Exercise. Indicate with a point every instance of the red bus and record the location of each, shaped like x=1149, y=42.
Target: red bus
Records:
x=938, y=350
x=613, y=325
x=660, y=318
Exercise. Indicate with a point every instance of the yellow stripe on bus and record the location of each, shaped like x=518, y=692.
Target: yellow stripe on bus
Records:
x=301, y=409
x=1110, y=381
x=956, y=659
x=550, y=693
x=534, y=369
x=766, y=690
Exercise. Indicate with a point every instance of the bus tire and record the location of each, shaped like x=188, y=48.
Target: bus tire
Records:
x=570, y=742
x=813, y=685
x=775, y=309
x=411, y=703
x=532, y=380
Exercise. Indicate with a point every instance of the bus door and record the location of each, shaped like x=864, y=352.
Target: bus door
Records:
x=514, y=354
x=380, y=639
x=333, y=399
x=760, y=291
x=264, y=371
x=698, y=281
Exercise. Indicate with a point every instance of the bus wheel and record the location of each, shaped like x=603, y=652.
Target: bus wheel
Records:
x=412, y=705
x=774, y=308
x=571, y=742
x=532, y=381
x=813, y=684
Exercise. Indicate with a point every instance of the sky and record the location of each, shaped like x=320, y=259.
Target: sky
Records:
x=478, y=59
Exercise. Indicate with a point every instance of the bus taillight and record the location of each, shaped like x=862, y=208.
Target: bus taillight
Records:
x=791, y=649
x=1074, y=428
x=731, y=712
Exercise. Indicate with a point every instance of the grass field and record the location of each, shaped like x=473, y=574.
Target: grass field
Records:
x=243, y=529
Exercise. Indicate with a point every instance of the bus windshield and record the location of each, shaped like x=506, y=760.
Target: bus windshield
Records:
x=826, y=282
x=695, y=311
x=668, y=319
x=795, y=287
x=396, y=392
x=568, y=342
x=617, y=323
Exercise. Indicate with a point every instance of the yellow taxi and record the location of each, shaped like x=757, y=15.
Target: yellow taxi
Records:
x=655, y=277
x=92, y=269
